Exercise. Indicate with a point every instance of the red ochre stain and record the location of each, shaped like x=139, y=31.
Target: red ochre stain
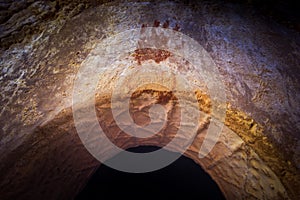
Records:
x=157, y=55
x=166, y=24
x=176, y=28
x=156, y=23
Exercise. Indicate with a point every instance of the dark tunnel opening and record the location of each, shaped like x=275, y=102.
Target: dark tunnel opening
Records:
x=183, y=178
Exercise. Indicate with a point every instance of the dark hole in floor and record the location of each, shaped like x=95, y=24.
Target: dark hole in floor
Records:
x=180, y=180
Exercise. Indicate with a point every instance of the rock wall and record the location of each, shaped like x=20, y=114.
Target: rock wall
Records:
x=44, y=43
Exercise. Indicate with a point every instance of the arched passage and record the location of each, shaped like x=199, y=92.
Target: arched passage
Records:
x=182, y=179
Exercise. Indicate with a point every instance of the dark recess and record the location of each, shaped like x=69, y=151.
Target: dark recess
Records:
x=182, y=179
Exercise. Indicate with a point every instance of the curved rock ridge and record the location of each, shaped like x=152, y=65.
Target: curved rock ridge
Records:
x=44, y=43
x=233, y=164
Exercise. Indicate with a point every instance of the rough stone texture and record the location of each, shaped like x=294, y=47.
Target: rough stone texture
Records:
x=43, y=44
